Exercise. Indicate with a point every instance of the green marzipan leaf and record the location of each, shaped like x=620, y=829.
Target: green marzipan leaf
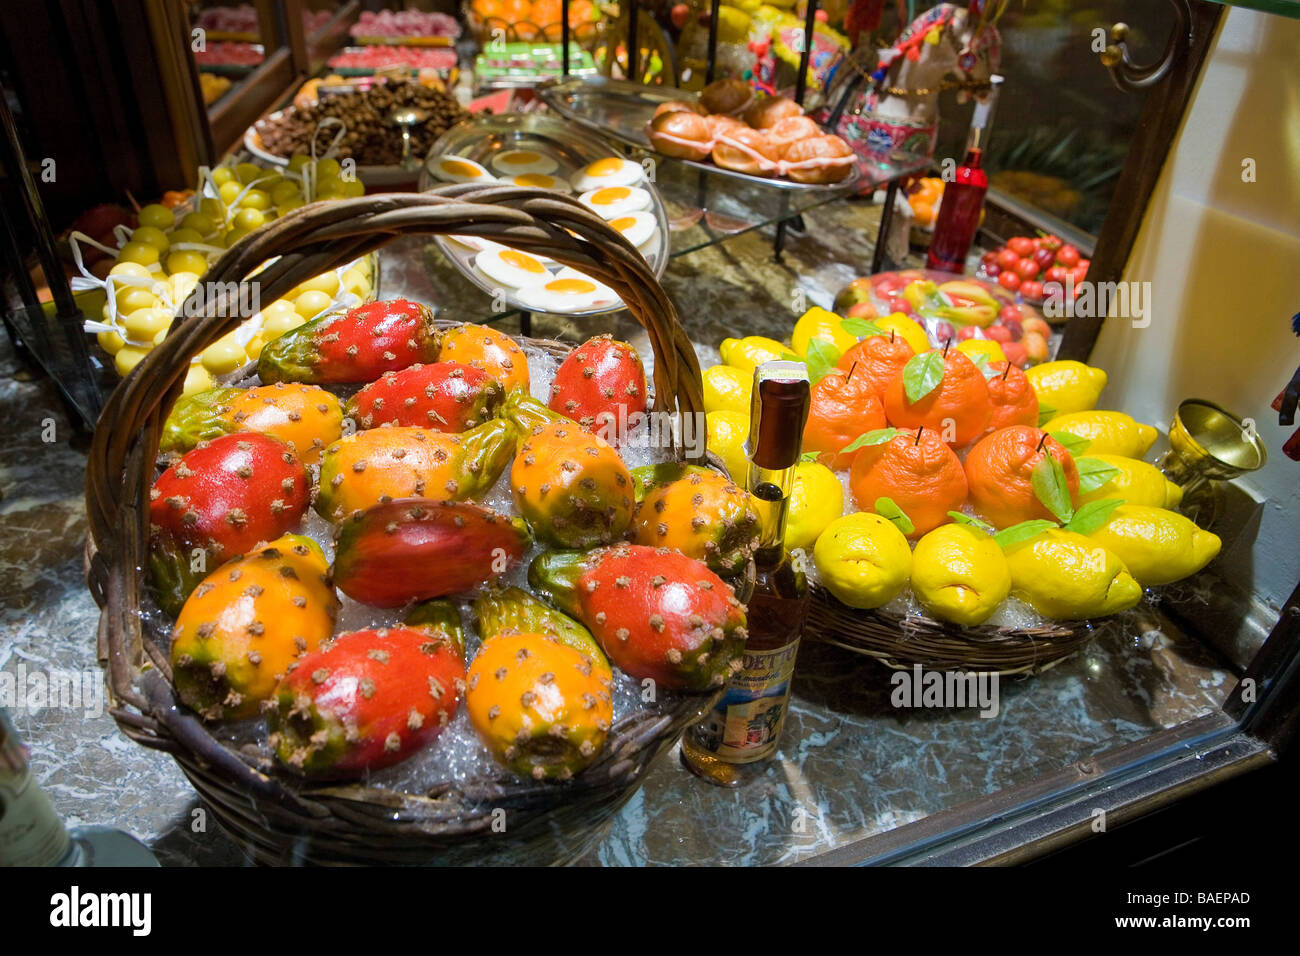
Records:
x=887, y=508
x=1051, y=488
x=861, y=327
x=1045, y=414
x=1074, y=444
x=808, y=456
x=962, y=518
x=877, y=437
x=821, y=358
x=1093, y=515
x=922, y=374
x=1022, y=532
x=1093, y=473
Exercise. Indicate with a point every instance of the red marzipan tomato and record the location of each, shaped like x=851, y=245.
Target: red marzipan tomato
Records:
x=1068, y=256
x=1009, y=281
x=1021, y=246
x=1008, y=259
x=1056, y=274
x=993, y=271
x=989, y=258
x=1031, y=289
x=1045, y=258
x=1027, y=269
x=1052, y=242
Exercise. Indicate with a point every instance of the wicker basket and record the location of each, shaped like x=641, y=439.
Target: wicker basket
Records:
x=277, y=818
x=901, y=642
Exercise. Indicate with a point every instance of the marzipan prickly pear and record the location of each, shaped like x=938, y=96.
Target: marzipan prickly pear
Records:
x=217, y=501
x=304, y=417
x=412, y=549
x=396, y=461
x=514, y=611
x=246, y=625
x=600, y=383
x=703, y=515
x=356, y=346
x=656, y=613
x=487, y=349
x=571, y=486
x=444, y=396
x=542, y=708
x=367, y=701
x=441, y=619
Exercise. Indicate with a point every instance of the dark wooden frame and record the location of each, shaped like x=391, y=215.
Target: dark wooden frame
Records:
x=1162, y=117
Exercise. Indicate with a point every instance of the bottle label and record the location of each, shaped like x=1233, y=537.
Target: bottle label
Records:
x=745, y=725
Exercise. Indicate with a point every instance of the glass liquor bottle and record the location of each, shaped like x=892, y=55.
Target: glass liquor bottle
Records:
x=31, y=833
x=744, y=727
x=963, y=195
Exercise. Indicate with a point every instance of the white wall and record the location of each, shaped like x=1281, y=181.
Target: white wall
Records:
x=1223, y=258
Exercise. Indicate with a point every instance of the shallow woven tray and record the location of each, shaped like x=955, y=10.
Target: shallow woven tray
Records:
x=900, y=641
x=276, y=817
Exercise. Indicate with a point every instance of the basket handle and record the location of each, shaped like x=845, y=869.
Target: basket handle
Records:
x=304, y=243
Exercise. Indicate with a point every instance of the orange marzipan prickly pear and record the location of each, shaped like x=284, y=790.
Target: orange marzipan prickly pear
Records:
x=487, y=349
x=366, y=701
x=246, y=625
x=571, y=486
x=305, y=417
x=704, y=515
x=381, y=464
x=541, y=707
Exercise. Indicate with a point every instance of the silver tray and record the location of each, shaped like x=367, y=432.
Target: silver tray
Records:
x=621, y=110
x=482, y=136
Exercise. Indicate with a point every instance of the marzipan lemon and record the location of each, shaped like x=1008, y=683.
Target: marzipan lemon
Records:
x=727, y=433
x=906, y=329
x=752, y=351
x=1138, y=483
x=960, y=574
x=817, y=323
x=1067, y=386
x=863, y=560
x=816, y=500
x=728, y=389
x=1066, y=576
x=986, y=347
x=1157, y=546
x=1108, y=433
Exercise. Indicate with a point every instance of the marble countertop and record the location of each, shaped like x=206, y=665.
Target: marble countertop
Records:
x=850, y=765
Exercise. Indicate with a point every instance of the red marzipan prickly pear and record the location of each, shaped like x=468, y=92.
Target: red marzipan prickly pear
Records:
x=358, y=346
x=444, y=396
x=412, y=549
x=223, y=498
x=595, y=380
x=542, y=707
x=657, y=613
x=368, y=700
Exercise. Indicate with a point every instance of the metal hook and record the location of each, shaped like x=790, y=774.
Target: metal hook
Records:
x=1130, y=77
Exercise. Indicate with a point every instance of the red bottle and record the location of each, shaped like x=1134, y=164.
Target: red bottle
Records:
x=963, y=195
